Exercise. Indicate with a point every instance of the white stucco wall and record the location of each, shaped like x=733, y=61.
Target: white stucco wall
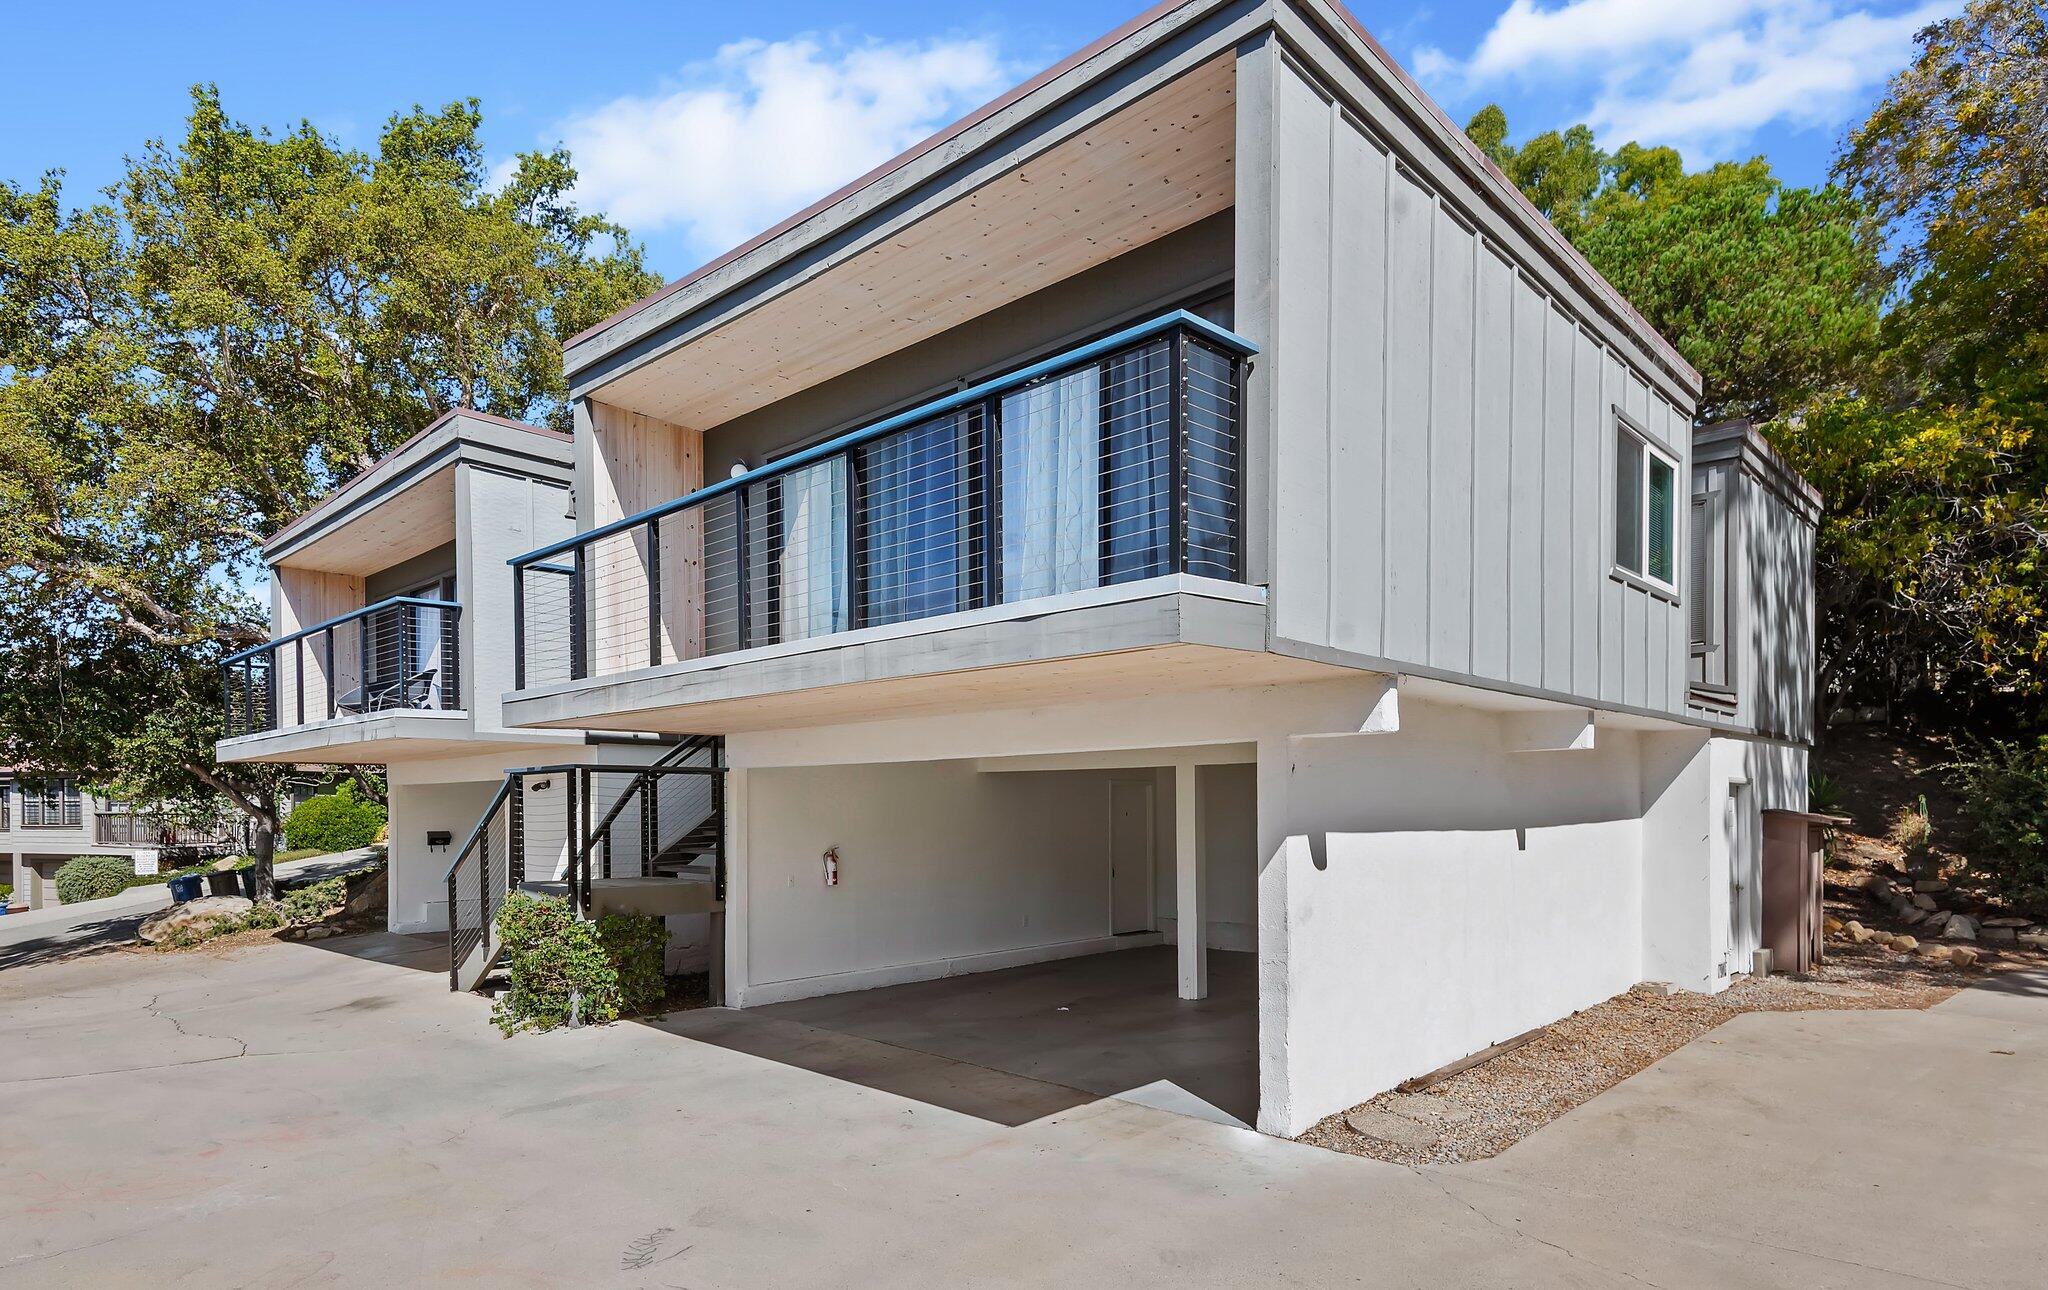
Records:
x=943, y=869
x=418, y=900
x=1429, y=893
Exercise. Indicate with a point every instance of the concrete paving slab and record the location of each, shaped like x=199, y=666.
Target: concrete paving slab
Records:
x=308, y=1114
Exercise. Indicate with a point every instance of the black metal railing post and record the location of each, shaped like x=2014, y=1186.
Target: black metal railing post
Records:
x=742, y=626
x=454, y=935
x=328, y=670
x=654, y=593
x=483, y=886
x=299, y=677
x=579, y=645
x=518, y=626
x=515, y=833
x=1177, y=447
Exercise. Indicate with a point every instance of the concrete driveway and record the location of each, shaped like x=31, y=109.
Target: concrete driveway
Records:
x=66, y=931
x=328, y=1114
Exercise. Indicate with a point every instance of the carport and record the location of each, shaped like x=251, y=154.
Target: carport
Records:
x=1002, y=936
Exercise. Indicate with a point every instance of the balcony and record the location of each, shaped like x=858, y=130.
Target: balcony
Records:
x=388, y=671
x=1100, y=479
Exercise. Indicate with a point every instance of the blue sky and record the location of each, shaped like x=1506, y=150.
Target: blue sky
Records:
x=698, y=124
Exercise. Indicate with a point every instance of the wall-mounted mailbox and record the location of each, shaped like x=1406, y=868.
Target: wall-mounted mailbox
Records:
x=438, y=839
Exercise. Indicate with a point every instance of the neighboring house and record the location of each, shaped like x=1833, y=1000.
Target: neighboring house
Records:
x=48, y=819
x=1194, y=498
x=376, y=656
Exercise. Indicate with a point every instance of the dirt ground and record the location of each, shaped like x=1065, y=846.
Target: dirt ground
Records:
x=1483, y=1111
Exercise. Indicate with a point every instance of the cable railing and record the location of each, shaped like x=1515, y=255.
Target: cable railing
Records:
x=1107, y=464
x=401, y=653
x=560, y=829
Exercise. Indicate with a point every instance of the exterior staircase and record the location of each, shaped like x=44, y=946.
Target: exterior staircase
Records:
x=647, y=839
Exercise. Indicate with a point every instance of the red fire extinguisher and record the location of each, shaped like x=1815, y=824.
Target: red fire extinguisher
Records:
x=832, y=866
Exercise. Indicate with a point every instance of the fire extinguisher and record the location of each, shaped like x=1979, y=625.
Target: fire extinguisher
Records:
x=832, y=866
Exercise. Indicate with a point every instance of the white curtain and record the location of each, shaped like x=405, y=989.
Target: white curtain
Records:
x=813, y=568
x=1051, y=486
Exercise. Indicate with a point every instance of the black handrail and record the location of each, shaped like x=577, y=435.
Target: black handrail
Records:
x=1180, y=400
x=453, y=606
x=249, y=677
x=922, y=412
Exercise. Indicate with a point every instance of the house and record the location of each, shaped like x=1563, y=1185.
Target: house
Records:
x=1192, y=501
x=391, y=604
x=47, y=819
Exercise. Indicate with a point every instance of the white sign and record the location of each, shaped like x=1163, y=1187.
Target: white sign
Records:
x=146, y=860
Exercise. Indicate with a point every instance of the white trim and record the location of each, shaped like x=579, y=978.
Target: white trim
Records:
x=1652, y=448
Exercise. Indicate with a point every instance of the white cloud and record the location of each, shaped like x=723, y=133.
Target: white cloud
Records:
x=1702, y=75
x=764, y=128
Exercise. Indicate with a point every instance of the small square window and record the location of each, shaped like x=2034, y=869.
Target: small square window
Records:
x=1645, y=508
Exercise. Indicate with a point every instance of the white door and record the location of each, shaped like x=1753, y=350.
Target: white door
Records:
x=1745, y=874
x=1130, y=856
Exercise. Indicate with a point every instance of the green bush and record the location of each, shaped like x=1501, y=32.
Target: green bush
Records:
x=2005, y=799
x=92, y=877
x=337, y=821
x=563, y=967
x=310, y=902
x=6, y=890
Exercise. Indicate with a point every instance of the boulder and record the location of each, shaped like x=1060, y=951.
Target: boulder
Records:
x=1938, y=920
x=1857, y=932
x=1924, y=901
x=1963, y=955
x=1960, y=927
x=1903, y=944
x=1829, y=925
x=194, y=916
x=1938, y=953
x=2002, y=934
x=1930, y=884
x=2007, y=920
x=2034, y=936
x=1914, y=916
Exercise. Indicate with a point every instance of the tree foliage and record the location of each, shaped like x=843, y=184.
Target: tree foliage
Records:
x=245, y=322
x=1886, y=332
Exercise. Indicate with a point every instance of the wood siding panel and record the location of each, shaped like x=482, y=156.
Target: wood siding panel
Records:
x=1493, y=501
x=1301, y=325
x=1411, y=218
x=1443, y=443
x=1526, y=478
x=1452, y=308
x=638, y=462
x=1358, y=390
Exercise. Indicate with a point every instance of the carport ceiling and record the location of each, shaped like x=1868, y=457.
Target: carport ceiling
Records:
x=1158, y=165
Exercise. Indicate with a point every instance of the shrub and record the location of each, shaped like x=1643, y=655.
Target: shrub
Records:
x=310, y=902
x=1823, y=795
x=6, y=890
x=92, y=877
x=563, y=967
x=2005, y=799
x=1912, y=831
x=336, y=821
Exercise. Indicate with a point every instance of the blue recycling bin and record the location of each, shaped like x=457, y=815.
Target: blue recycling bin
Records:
x=185, y=888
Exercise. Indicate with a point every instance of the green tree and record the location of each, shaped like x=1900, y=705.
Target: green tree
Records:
x=245, y=323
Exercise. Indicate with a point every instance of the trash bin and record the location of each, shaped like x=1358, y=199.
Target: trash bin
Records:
x=248, y=877
x=223, y=882
x=185, y=888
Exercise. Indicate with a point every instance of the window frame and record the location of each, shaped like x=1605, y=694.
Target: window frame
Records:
x=1649, y=448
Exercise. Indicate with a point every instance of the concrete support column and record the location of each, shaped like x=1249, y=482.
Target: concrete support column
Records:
x=729, y=944
x=26, y=881
x=1191, y=915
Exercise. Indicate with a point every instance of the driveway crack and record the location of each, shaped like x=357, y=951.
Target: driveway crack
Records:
x=1499, y=1226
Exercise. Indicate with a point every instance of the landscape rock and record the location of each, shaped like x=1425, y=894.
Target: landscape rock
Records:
x=1903, y=944
x=1999, y=933
x=1394, y=1130
x=1960, y=927
x=1829, y=925
x=1930, y=884
x=2007, y=920
x=1857, y=932
x=1914, y=916
x=193, y=916
x=1963, y=955
x=1938, y=919
x=1938, y=953
x=1923, y=901
x=2036, y=937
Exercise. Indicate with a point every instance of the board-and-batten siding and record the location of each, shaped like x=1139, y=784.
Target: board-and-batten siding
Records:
x=1444, y=437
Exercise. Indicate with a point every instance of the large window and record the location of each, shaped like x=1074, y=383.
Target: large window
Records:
x=1645, y=508
x=50, y=805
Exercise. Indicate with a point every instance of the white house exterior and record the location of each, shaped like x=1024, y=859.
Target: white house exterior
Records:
x=1193, y=499
x=391, y=605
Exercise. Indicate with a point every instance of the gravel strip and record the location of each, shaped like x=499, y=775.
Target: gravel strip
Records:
x=1485, y=1110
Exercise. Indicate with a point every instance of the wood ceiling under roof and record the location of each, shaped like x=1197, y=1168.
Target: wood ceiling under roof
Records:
x=410, y=522
x=1158, y=165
